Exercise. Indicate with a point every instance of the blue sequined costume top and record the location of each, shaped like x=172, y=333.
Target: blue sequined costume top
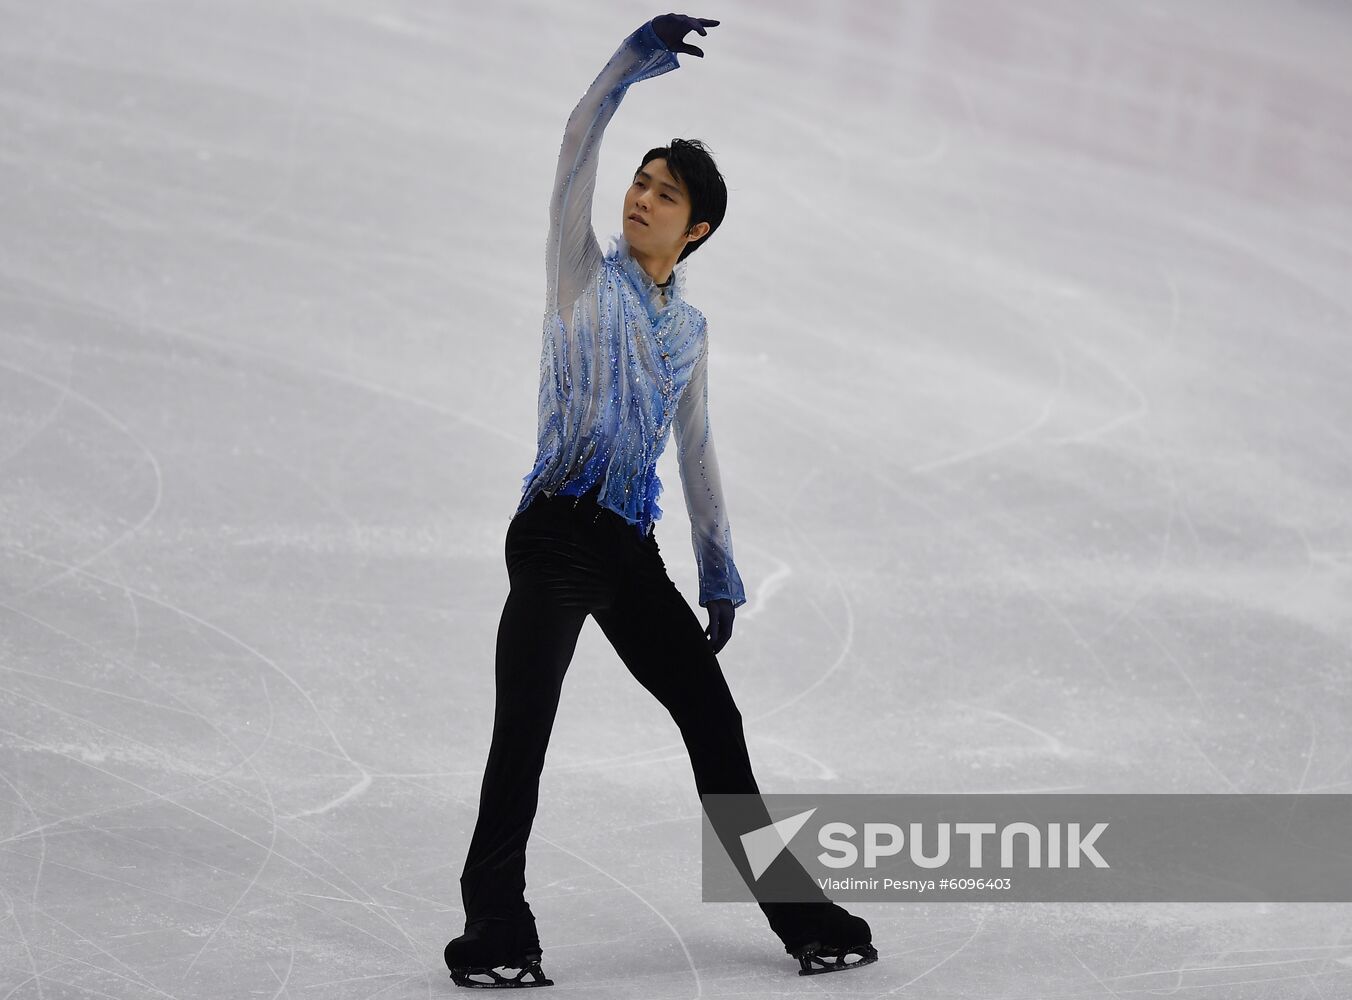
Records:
x=620, y=366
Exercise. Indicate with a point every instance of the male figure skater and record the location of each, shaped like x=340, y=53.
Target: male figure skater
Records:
x=624, y=362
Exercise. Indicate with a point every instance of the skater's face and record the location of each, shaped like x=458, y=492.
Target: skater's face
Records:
x=657, y=212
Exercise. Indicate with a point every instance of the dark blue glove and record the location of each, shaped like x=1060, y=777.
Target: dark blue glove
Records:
x=719, y=631
x=672, y=28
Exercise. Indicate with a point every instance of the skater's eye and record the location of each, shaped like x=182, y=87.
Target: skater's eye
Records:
x=638, y=184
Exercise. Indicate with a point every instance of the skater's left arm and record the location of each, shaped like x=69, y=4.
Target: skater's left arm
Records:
x=720, y=585
x=572, y=254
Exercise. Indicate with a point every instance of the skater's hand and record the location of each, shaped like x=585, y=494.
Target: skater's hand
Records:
x=672, y=29
x=720, y=622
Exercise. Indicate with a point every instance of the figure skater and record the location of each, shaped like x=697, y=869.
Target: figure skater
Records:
x=624, y=362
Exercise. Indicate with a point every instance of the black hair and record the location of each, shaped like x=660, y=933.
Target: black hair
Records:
x=690, y=163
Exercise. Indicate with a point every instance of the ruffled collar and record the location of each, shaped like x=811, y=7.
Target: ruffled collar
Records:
x=618, y=251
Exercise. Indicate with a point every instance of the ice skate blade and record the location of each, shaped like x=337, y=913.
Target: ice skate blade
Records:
x=832, y=959
x=461, y=977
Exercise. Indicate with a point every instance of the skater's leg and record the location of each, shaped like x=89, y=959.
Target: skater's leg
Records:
x=553, y=584
x=656, y=633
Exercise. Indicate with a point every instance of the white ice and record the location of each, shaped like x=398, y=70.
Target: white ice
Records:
x=1067, y=284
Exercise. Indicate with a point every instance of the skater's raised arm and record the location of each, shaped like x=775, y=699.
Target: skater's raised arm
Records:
x=571, y=253
x=709, y=528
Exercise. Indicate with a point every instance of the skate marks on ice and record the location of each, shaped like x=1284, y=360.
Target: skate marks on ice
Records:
x=304, y=859
x=1060, y=497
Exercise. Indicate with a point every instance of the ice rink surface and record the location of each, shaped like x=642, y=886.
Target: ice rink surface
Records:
x=1029, y=374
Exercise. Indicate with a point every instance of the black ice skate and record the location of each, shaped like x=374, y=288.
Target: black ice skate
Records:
x=497, y=953
x=823, y=936
x=816, y=958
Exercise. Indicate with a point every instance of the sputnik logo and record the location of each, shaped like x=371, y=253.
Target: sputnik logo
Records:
x=763, y=845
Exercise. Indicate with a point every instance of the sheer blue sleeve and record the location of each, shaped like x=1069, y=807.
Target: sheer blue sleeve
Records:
x=572, y=255
x=709, y=528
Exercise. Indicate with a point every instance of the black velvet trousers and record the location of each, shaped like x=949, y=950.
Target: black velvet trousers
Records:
x=567, y=558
